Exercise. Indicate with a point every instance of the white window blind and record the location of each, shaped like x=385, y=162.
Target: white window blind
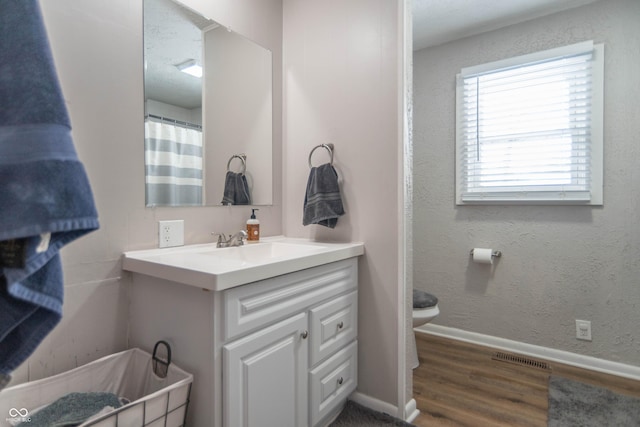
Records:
x=529, y=129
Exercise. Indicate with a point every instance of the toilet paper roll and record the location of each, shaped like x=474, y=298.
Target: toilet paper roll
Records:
x=483, y=255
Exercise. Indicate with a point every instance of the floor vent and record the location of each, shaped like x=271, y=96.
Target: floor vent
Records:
x=521, y=360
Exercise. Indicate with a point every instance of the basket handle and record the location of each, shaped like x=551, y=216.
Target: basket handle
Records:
x=161, y=366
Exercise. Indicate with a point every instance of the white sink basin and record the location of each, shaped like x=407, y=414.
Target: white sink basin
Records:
x=217, y=269
x=261, y=253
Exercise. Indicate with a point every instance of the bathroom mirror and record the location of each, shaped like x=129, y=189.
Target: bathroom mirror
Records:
x=208, y=111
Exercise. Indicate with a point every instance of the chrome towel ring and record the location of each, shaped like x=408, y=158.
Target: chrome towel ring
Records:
x=328, y=147
x=243, y=159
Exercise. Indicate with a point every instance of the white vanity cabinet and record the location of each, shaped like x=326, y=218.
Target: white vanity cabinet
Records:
x=265, y=376
x=276, y=352
x=289, y=352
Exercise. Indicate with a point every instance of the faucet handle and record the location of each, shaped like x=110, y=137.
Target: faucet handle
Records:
x=221, y=236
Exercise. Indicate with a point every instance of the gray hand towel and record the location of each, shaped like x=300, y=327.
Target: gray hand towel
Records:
x=322, y=201
x=72, y=409
x=236, y=189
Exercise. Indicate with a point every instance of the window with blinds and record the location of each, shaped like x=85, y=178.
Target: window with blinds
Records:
x=529, y=129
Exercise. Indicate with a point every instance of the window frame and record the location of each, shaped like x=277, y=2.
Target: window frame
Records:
x=595, y=198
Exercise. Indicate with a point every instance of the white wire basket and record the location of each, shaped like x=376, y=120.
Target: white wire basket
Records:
x=154, y=401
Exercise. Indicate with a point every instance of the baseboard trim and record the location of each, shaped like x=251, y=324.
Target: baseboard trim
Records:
x=373, y=403
x=411, y=411
x=550, y=354
x=411, y=408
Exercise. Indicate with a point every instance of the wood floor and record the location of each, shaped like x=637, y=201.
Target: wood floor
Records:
x=459, y=384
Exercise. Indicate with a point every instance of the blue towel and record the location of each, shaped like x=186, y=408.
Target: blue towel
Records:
x=322, y=200
x=236, y=189
x=45, y=196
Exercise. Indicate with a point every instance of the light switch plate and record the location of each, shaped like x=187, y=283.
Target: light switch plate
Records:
x=170, y=233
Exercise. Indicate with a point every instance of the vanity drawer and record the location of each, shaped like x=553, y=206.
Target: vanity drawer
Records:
x=332, y=326
x=260, y=303
x=332, y=382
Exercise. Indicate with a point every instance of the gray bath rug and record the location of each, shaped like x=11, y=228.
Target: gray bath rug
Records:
x=572, y=403
x=355, y=415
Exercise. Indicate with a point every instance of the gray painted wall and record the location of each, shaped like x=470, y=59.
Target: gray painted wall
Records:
x=97, y=48
x=330, y=94
x=343, y=74
x=559, y=263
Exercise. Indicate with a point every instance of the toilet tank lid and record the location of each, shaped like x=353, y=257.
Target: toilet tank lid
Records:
x=422, y=299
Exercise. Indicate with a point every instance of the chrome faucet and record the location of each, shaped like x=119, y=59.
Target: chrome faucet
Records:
x=234, y=240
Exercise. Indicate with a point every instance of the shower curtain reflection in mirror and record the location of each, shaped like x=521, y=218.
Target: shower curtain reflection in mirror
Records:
x=173, y=164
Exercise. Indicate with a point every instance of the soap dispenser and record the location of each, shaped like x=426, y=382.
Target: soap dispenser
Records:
x=253, y=227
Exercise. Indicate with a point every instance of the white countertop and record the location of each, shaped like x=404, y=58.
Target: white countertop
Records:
x=217, y=269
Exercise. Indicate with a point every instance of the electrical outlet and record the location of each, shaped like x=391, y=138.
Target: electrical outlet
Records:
x=170, y=233
x=583, y=330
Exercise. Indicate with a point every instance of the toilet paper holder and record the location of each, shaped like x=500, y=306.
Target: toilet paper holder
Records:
x=494, y=254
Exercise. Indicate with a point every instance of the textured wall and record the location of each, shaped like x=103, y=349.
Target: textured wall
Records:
x=559, y=263
x=409, y=338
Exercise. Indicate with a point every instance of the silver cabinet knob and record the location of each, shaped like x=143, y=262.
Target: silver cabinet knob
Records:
x=304, y=334
x=340, y=325
x=340, y=381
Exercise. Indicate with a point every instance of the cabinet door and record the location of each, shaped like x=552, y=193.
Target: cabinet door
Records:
x=265, y=376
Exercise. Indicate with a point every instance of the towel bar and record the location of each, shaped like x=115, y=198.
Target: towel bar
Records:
x=243, y=159
x=328, y=147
